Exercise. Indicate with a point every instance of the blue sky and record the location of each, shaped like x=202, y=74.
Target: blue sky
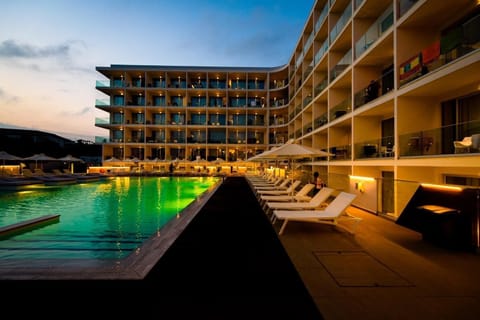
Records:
x=49, y=49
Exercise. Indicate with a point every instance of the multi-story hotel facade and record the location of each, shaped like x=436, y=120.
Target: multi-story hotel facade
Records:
x=391, y=88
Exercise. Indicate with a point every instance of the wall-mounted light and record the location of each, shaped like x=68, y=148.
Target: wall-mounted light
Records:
x=362, y=178
x=441, y=187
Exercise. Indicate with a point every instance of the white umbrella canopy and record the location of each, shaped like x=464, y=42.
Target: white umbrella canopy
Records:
x=5, y=156
x=290, y=151
x=112, y=159
x=70, y=158
x=40, y=157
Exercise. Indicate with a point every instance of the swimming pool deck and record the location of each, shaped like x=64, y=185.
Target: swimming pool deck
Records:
x=229, y=263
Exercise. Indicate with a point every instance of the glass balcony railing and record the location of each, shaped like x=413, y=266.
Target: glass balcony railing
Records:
x=442, y=140
x=307, y=128
x=383, y=23
x=341, y=66
x=100, y=139
x=321, y=120
x=321, y=52
x=358, y=3
x=306, y=101
x=102, y=83
x=404, y=6
x=341, y=152
x=308, y=42
x=102, y=121
x=459, y=41
x=341, y=109
x=376, y=88
x=376, y=148
x=341, y=23
x=102, y=102
x=321, y=86
x=321, y=18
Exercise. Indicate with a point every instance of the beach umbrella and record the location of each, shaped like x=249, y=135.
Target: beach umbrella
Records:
x=40, y=157
x=5, y=156
x=71, y=160
x=112, y=159
x=290, y=151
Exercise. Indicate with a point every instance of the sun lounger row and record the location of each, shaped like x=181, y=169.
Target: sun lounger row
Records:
x=298, y=206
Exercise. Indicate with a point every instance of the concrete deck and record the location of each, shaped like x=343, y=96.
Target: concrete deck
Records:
x=384, y=271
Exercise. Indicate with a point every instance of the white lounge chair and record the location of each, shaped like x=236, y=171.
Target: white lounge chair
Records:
x=314, y=203
x=300, y=195
x=281, y=184
x=280, y=191
x=331, y=215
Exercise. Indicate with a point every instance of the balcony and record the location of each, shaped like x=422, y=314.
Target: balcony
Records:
x=439, y=141
x=383, y=23
x=341, y=109
x=376, y=148
x=341, y=152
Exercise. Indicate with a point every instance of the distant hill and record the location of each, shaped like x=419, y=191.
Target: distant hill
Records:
x=25, y=142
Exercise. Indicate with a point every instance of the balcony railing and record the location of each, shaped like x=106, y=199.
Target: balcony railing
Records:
x=321, y=18
x=341, y=66
x=460, y=41
x=341, y=23
x=341, y=109
x=377, y=148
x=341, y=152
x=382, y=24
x=102, y=83
x=439, y=141
x=404, y=6
x=376, y=88
x=321, y=52
x=321, y=86
x=321, y=120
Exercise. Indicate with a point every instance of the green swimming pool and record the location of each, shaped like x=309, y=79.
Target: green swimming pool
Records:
x=99, y=220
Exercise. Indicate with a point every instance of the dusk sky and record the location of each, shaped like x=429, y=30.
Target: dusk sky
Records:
x=49, y=49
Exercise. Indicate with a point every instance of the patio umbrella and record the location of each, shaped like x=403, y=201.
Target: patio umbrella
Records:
x=40, y=157
x=112, y=159
x=5, y=156
x=290, y=151
x=71, y=160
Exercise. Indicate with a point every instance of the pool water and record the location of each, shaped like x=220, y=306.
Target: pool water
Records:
x=98, y=220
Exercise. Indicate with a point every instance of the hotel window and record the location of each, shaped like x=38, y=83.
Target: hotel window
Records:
x=159, y=100
x=463, y=181
x=117, y=136
x=159, y=118
x=117, y=118
x=118, y=100
x=199, y=119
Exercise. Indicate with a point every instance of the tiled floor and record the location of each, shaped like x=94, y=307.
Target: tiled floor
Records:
x=384, y=271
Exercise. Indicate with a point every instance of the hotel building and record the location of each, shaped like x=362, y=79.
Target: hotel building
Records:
x=391, y=88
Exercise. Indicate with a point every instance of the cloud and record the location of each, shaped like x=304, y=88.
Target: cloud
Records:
x=77, y=113
x=11, y=49
x=7, y=98
x=45, y=58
